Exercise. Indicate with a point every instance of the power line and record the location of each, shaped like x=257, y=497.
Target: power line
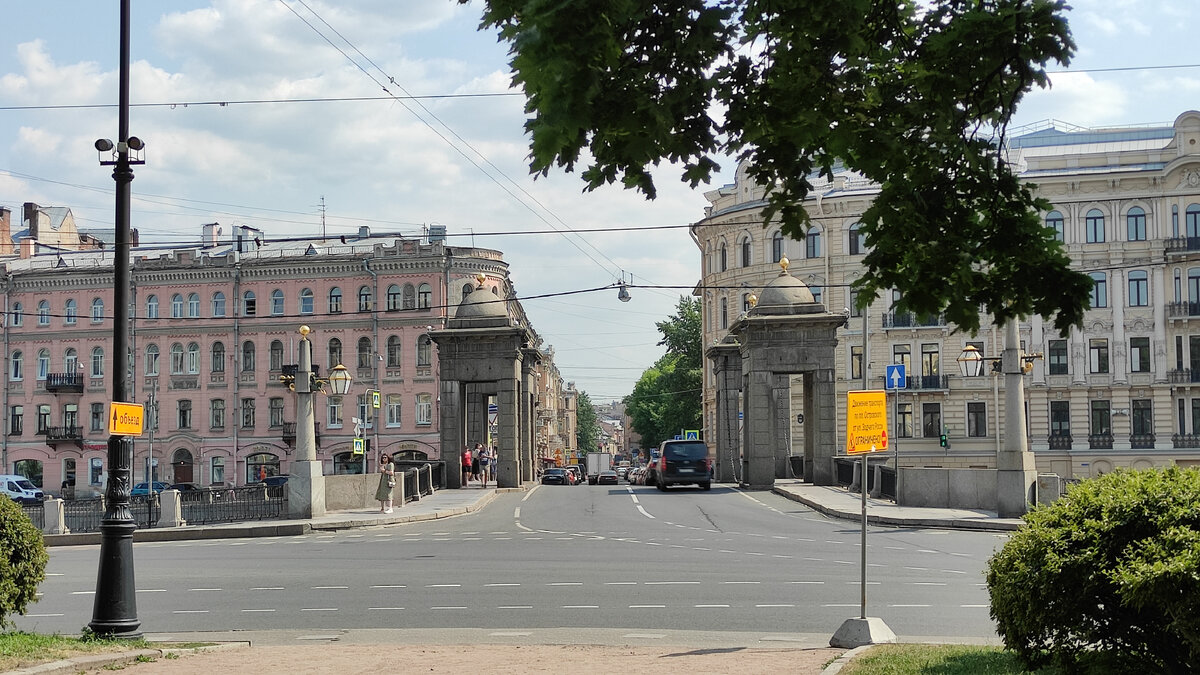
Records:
x=258, y=101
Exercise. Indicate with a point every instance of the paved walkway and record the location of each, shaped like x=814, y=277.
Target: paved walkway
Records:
x=840, y=503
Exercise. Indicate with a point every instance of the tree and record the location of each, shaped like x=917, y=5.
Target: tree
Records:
x=587, y=427
x=23, y=560
x=915, y=96
x=666, y=398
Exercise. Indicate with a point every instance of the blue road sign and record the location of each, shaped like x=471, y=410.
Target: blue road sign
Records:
x=894, y=378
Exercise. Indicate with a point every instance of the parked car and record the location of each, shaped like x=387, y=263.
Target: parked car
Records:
x=682, y=463
x=185, y=487
x=555, y=476
x=576, y=474
x=21, y=489
x=274, y=481
x=607, y=478
x=143, y=489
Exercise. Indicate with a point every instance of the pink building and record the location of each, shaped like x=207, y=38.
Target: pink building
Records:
x=213, y=328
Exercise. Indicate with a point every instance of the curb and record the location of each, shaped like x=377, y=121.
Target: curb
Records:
x=841, y=661
x=875, y=519
x=116, y=660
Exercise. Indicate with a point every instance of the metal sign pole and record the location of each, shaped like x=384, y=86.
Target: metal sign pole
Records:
x=862, y=612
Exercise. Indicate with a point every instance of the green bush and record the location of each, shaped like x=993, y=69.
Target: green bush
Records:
x=1107, y=578
x=22, y=560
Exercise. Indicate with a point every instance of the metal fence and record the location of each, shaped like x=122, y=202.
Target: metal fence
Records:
x=412, y=489
x=233, y=505
x=83, y=515
x=36, y=513
x=438, y=469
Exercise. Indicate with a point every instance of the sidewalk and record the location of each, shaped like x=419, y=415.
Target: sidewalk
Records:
x=840, y=503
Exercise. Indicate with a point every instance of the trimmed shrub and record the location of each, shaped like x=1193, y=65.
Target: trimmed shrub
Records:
x=22, y=560
x=1107, y=578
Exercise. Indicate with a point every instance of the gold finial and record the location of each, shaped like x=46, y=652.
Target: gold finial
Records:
x=783, y=263
x=480, y=278
x=753, y=300
x=304, y=331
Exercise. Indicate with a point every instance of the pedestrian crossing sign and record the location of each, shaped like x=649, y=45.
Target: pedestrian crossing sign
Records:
x=358, y=446
x=691, y=434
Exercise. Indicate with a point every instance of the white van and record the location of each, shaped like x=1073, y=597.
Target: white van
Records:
x=21, y=490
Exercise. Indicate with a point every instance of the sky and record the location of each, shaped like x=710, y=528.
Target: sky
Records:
x=457, y=158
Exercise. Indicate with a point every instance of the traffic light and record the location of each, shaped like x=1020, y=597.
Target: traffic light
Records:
x=944, y=441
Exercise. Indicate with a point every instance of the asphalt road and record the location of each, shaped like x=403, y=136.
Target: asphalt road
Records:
x=557, y=557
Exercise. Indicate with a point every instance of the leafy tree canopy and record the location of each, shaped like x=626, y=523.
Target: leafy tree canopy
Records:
x=666, y=399
x=915, y=96
x=587, y=426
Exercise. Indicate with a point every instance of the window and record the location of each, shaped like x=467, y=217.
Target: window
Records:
x=335, y=300
x=393, y=410
x=216, y=413
x=97, y=310
x=1191, y=220
x=193, y=307
x=904, y=420
x=43, y=313
x=152, y=307
x=858, y=240
x=1058, y=357
x=364, y=412
x=72, y=313
x=746, y=303
x=724, y=314
x=218, y=357
x=931, y=419
x=1135, y=224
x=185, y=414
x=723, y=258
x=364, y=299
x=424, y=351
x=95, y=470
x=43, y=364
x=393, y=351
x=777, y=247
x=746, y=252
x=176, y=359
x=467, y=290
x=193, y=358
x=247, y=357
x=17, y=315
x=817, y=292
x=424, y=409
x=1142, y=421
x=1098, y=355
x=177, y=306
x=364, y=352
x=1060, y=418
x=16, y=420
x=930, y=360
x=249, y=304
x=97, y=362
x=335, y=352
x=335, y=412
x=43, y=418
x=1054, y=221
x=275, y=355
x=856, y=362
x=247, y=413
x=97, y=417
x=1099, y=290
x=854, y=310
x=1139, y=289
x=902, y=354
x=276, y=412
x=218, y=304
x=1139, y=355
x=812, y=243
x=976, y=420
x=393, y=298
x=1101, y=421
x=1094, y=227
x=216, y=470
x=71, y=362
x=306, y=301
x=276, y=302
x=71, y=415
x=424, y=296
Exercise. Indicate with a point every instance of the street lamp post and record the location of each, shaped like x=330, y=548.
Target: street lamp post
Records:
x=306, y=480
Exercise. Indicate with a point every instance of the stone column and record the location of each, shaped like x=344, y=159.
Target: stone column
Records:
x=1015, y=470
x=507, y=470
x=821, y=435
x=723, y=439
x=781, y=395
x=452, y=423
x=758, y=461
x=306, y=479
x=528, y=413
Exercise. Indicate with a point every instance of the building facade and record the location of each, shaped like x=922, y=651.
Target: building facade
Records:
x=1123, y=390
x=213, y=330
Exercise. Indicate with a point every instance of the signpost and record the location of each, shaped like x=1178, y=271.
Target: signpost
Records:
x=894, y=380
x=125, y=419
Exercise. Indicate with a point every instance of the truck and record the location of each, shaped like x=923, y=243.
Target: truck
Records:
x=597, y=462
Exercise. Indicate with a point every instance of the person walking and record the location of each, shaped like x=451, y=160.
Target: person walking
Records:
x=475, y=461
x=486, y=462
x=466, y=465
x=387, y=483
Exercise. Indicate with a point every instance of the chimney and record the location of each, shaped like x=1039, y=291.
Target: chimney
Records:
x=6, y=244
x=28, y=246
x=211, y=235
x=31, y=218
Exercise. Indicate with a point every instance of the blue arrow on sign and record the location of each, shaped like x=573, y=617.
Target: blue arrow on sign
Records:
x=894, y=378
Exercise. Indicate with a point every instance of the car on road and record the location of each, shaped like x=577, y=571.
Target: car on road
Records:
x=682, y=462
x=185, y=487
x=143, y=489
x=555, y=476
x=576, y=474
x=21, y=489
x=607, y=478
x=274, y=481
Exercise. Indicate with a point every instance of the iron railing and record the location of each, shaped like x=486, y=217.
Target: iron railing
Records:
x=887, y=482
x=83, y=515
x=412, y=489
x=1141, y=441
x=1185, y=440
x=1059, y=441
x=1100, y=441
x=36, y=514
x=232, y=505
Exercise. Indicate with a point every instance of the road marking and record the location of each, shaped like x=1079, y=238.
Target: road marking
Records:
x=515, y=607
x=774, y=605
x=42, y=615
x=754, y=553
x=646, y=606
x=710, y=606
x=565, y=583
x=965, y=606
x=741, y=582
x=501, y=538
x=896, y=548
x=644, y=636
x=635, y=499
x=439, y=534
x=448, y=607
x=517, y=512
x=205, y=589
x=644, y=512
x=953, y=571
x=700, y=548
x=844, y=562
x=535, y=488
x=444, y=586
x=776, y=555
x=669, y=583
x=725, y=550
x=258, y=610
x=471, y=538
x=918, y=569
x=869, y=583
x=620, y=583
x=510, y=634
x=386, y=608
x=531, y=538
x=925, y=550
x=501, y=585
x=330, y=588
x=807, y=582
x=318, y=609
x=390, y=586
x=581, y=606
x=267, y=588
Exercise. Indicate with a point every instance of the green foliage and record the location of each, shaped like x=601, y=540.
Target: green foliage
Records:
x=894, y=659
x=917, y=100
x=1107, y=578
x=23, y=561
x=587, y=426
x=667, y=397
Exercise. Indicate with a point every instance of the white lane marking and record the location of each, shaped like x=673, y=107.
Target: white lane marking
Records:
x=439, y=534
x=390, y=586
x=151, y=590
x=581, y=606
x=515, y=607
x=499, y=532
x=42, y=615
x=670, y=583
x=645, y=636
x=925, y=550
x=953, y=571
x=869, y=583
x=710, y=606
x=565, y=583
x=620, y=583
x=501, y=585
x=646, y=606
x=896, y=548
x=535, y=489
x=330, y=588
x=501, y=538
x=443, y=586
x=385, y=609
x=258, y=610
x=635, y=499
x=204, y=589
x=644, y=512
x=774, y=605
x=725, y=550
x=844, y=562
x=754, y=553
x=509, y=634
x=267, y=588
x=55, y=574
x=918, y=569
x=471, y=538
x=776, y=555
x=741, y=582
x=453, y=607
x=318, y=609
x=531, y=538
x=973, y=606
x=517, y=512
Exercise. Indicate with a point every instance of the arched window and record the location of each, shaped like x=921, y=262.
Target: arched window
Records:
x=424, y=296
x=335, y=353
x=306, y=301
x=1135, y=224
x=43, y=312
x=276, y=302
x=335, y=300
x=249, y=304
x=1054, y=221
x=747, y=253
x=276, y=355
x=777, y=247
x=364, y=298
x=193, y=310
x=151, y=360
x=424, y=351
x=97, y=362
x=410, y=297
x=218, y=357
x=724, y=313
x=18, y=366
x=1191, y=220
x=393, y=351
x=193, y=358
x=72, y=313
x=176, y=359
x=467, y=290
x=97, y=310
x=177, y=306
x=43, y=363
x=218, y=304
x=812, y=242
x=722, y=258
x=1193, y=284
x=152, y=307
x=248, y=357
x=1139, y=289
x=857, y=240
x=393, y=298
x=364, y=352
x=71, y=362
x=18, y=315
x=1099, y=290
x=1094, y=226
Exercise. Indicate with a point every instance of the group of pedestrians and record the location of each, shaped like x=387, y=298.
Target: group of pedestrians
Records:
x=478, y=464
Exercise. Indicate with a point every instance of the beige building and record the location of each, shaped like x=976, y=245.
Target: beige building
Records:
x=1121, y=391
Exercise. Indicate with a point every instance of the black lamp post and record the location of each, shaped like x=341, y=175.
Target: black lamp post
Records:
x=114, y=613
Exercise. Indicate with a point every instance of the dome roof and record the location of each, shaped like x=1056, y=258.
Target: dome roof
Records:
x=481, y=304
x=786, y=295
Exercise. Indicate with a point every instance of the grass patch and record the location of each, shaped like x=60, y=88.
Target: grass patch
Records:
x=20, y=650
x=905, y=659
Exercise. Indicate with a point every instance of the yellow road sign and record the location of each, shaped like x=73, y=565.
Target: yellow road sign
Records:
x=125, y=419
x=866, y=422
x=358, y=446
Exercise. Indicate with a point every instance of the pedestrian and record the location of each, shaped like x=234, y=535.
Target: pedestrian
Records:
x=493, y=457
x=466, y=465
x=475, y=461
x=387, y=483
x=485, y=463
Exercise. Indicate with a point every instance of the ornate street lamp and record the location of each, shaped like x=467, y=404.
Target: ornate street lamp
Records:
x=306, y=479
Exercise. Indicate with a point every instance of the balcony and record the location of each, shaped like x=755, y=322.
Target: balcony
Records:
x=289, y=433
x=1185, y=440
x=1182, y=309
x=64, y=434
x=1183, y=376
x=64, y=383
x=1182, y=245
x=910, y=320
x=1100, y=441
x=1060, y=441
x=1141, y=441
x=924, y=383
